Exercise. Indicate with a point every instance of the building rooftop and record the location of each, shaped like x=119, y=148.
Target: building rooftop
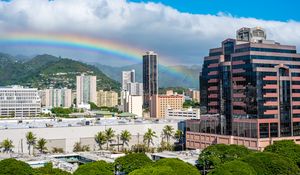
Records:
x=75, y=122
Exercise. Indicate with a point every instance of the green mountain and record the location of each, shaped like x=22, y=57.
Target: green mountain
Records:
x=171, y=76
x=45, y=71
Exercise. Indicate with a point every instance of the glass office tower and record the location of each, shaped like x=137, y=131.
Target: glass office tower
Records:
x=251, y=86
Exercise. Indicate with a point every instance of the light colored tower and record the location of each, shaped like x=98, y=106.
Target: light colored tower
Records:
x=86, y=89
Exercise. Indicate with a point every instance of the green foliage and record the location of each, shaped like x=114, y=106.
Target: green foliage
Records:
x=100, y=139
x=95, y=168
x=31, y=140
x=139, y=148
x=60, y=110
x=15, y=167
x=103, y=108
x=132, y=161
x=41, y=145
x=168, y=132
x=216, y=155
x=45, y=70
x=286, y=148
x=80, y=148
x=148, y=137
x=109, y=135
x=190, y=103
x=49, y=170
x=164, y=170
x=270, y=164
x=125, y=137
x=178, y=166
x=235, y=167
x=6, y=145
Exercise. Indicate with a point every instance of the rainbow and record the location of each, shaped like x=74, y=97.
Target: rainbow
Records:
x=76, y=42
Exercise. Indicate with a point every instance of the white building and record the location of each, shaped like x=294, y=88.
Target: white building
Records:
x=135, y=105
x=190, y=113
x=56, y=97
x=127, y=77
x=19, y=102
x=86, y=89
x=135, y=88
x=65, y=133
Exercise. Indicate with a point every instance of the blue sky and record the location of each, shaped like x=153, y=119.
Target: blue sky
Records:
x=281, y=10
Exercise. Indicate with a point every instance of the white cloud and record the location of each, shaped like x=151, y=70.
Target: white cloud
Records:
x=181, y=36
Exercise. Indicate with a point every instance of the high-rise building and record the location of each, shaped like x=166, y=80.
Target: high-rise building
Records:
x=150, y=80
x=250, y=88
x=107, y=98
x=135, y=88
x=86, y=89
x=127, y=77
x=135, y=105
x=17, y=101
x=56, y=97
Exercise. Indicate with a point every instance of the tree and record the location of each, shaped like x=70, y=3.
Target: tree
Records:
x=95, y=168
x=109, y=134
x=269, y=164
x=7, y=145
x=31, y=140
x=168, y=132
x=13, y=166
x=178, y=135
x=125, y=137
x=235, y=167
x=148, y=137
x=80, y=148
x=49, y=170
x=286, y=148
x=158, y=170
x=100, y=139
x=215, y=155
x=41, y=145
x=132, y=161
x=178, y=166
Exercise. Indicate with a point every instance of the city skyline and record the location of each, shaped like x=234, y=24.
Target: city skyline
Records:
x=182, y=34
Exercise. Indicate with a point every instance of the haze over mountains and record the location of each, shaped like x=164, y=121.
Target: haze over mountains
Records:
x=46, y=70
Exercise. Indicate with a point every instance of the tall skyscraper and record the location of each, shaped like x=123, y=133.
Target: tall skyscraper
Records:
x=150, y=77
x=127, y=77
x=250, y=87
x=86, y=89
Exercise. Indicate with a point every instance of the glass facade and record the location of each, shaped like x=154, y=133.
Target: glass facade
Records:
x=256, y=87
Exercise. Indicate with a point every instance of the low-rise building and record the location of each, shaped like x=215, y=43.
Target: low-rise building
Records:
x=190, y=113
x=17, y=101
x=194, y=95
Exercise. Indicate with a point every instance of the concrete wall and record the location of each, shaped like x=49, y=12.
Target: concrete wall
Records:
x=65, y=137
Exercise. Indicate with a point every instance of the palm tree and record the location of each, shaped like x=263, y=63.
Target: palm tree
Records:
x=109, y=134
x=148, y=137
x=168, y=132
x=31, y=140
x=125, y=137
x=41, y=145
x=100, y=138
x=7, y=145
x=178, y=135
